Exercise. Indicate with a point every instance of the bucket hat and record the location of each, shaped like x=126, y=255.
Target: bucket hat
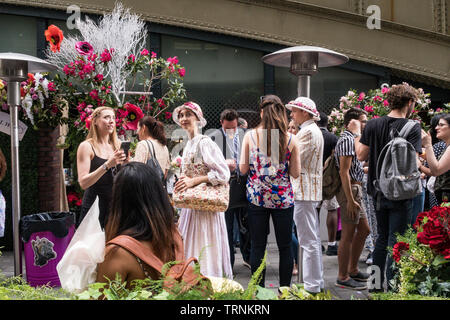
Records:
x=195, y=108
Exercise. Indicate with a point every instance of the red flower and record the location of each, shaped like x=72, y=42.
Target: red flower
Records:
x=434, y=230
x=55, y=36
x=134, y=115
x=30, y=78
x=182, y=72
x=168, y=115
x=88, y=122
x=398, y=249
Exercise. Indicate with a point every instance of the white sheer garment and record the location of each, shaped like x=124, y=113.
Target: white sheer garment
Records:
x=205, y=233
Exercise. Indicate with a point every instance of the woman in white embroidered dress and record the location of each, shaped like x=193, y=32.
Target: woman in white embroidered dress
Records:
x=204, y=233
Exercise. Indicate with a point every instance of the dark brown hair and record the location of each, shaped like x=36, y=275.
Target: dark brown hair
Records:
x=353, y=113
x=274, y=117
x=141, y=209
x=229, y=115
x=155, y=128
x=398, y=96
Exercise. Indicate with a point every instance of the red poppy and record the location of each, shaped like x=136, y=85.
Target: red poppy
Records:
x=134, y=115
x=54, y=35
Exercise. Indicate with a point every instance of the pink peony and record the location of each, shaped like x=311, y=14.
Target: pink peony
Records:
x=182, y=72
x=144, y=52
x=361, y=97
x=384, y=90
x=368, y=109
x=153, y=55
x=386, y=103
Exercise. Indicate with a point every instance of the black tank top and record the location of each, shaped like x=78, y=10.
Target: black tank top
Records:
x=102, y=188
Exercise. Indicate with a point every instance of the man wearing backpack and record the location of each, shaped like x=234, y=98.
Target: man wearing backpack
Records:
x=355, y=227
x=331, y=205
x=392, y=215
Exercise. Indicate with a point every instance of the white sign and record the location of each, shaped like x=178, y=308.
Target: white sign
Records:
x=5, y=125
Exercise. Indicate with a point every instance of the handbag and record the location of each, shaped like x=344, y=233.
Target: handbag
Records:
x=204, y=196
x=153, y=162
x=238, y=192
x=78, y=267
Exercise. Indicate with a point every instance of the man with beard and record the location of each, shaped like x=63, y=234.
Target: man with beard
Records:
x=392, y=216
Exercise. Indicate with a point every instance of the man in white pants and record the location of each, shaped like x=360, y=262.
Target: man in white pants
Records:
x=308, y=191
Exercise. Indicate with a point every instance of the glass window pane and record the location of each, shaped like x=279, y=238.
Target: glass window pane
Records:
x=19, y=34
x=327, y=86
x=219, y=77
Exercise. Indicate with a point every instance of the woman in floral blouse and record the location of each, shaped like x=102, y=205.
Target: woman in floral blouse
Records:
x=269, y=189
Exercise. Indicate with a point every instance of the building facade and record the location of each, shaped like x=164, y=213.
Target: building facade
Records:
x=221, y=43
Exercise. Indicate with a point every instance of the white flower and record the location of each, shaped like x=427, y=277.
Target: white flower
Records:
x=350, y=93
x=27, y=103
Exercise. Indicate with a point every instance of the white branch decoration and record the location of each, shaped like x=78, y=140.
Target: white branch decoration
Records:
x=120, y=30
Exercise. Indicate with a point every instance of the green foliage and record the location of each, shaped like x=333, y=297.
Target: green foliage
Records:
x=16, y=288
x=398, y=296
x=298, y=292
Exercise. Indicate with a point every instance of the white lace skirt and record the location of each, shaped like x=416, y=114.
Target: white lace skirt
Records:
x=205, y=237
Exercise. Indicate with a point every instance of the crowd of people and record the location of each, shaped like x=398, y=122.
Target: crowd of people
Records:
x=274, y=170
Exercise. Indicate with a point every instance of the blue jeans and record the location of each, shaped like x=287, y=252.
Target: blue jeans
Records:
x=392, y=217
x=258, y=221
x=418, y=205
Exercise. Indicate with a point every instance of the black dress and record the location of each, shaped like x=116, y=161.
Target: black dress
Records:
x=102, y=188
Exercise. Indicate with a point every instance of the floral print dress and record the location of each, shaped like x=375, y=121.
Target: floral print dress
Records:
x=205, y=233
x=269, y=185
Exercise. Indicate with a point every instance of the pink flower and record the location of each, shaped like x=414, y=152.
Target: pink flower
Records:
x=99, y=77
x=368, y=108
x=438, y=110
x=153, y=55
x=375, y=117
x=51, y=86
x=94, y=94
x=377, y=98
x=384, y=90
x=386, y=103
x=144, y=52
x=131, y=58
x=173, y=60
x=182, y=72
x=88, y=122
x=361, y=97
x=84, y=47
x=106, y=56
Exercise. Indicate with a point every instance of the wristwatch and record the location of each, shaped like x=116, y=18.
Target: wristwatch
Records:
x=104, y=166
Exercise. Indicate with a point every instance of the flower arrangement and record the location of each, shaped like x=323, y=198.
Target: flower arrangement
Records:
x=175, y=166
x=422, y=255
x=374, y=102
x=40, y=104
x=108, y=65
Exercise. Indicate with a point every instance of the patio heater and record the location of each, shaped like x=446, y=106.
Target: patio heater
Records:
x=14, y=68
x=304, y=62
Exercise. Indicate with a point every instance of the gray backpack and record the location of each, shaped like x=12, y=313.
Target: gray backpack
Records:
x=397, y=175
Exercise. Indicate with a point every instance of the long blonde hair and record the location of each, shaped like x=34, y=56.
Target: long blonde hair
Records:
x=93, y=130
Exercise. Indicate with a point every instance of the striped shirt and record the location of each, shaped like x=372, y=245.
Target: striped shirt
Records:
x=346, y=147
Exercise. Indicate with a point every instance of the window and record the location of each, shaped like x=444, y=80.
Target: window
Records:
x=20, y=35
x=327, y=86
x=219, y=77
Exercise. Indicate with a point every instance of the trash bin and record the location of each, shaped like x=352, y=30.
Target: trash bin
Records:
x=46, y=237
